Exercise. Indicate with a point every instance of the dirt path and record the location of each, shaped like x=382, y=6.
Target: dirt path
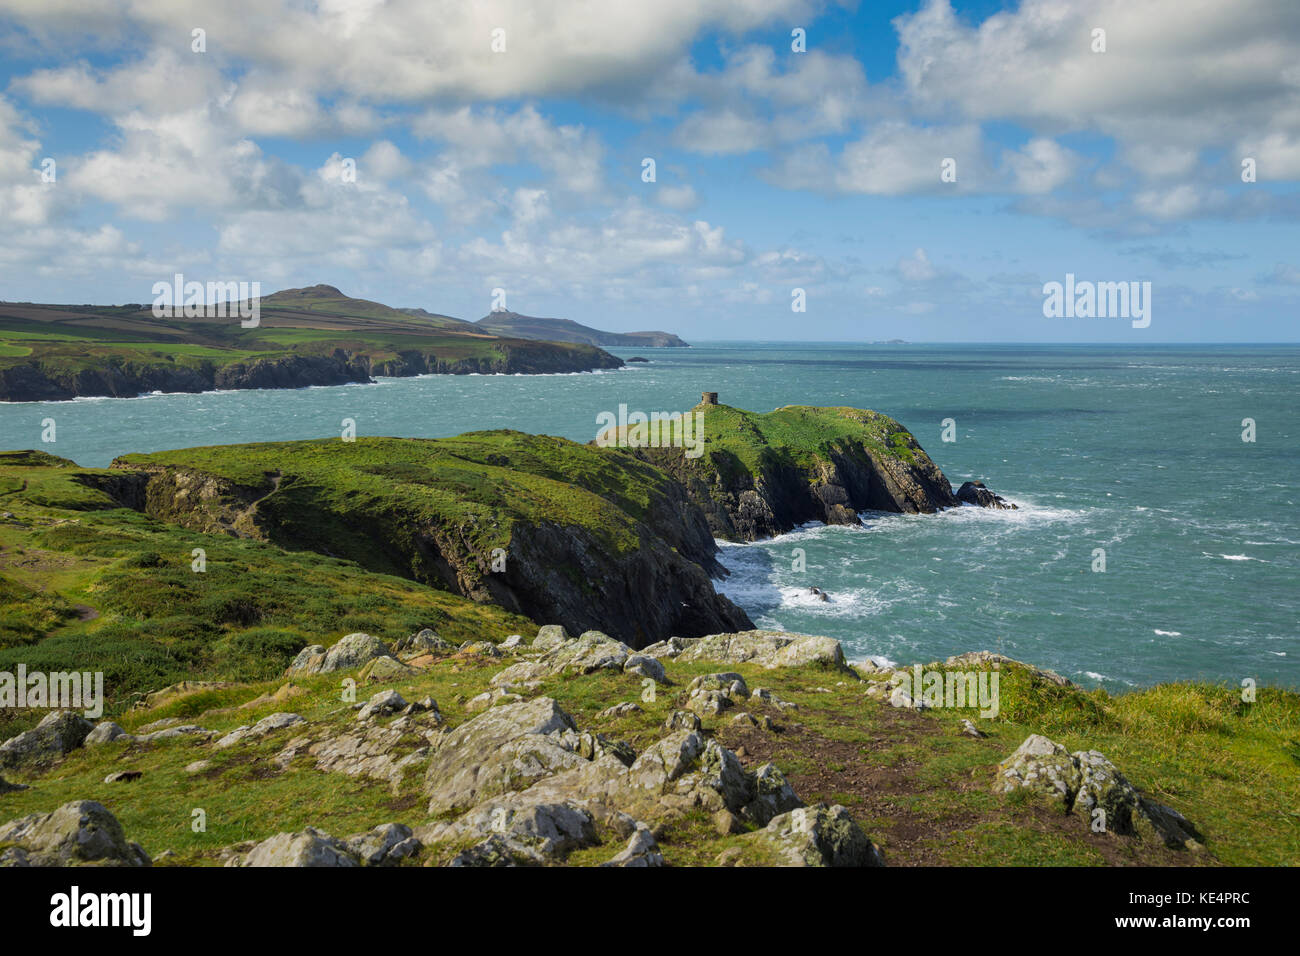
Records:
x=920, y=817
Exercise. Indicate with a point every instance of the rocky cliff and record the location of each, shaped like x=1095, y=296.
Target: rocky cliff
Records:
x=538, y=526
x=762, y=475
x=37, y=381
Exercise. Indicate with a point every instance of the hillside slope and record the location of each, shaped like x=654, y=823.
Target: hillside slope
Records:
x=566, y=330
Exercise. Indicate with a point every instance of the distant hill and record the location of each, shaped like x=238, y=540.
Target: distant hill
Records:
x=566, y=330
x=311, y=336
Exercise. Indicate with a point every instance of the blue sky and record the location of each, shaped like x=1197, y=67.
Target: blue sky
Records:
x=776, y=170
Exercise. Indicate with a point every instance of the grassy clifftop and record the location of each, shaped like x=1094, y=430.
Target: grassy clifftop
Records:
x=757, y=475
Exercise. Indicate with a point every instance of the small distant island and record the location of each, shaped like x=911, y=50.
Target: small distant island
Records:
x=310, y=336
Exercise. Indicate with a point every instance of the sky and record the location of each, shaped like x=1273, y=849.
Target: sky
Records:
x=912, y=170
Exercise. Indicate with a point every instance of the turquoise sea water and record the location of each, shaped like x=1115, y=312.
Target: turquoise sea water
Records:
x=1137, y=451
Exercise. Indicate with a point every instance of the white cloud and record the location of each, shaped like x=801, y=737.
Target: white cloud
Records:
x=1040, y=166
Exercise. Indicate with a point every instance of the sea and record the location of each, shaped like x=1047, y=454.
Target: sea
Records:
x=1157, y=536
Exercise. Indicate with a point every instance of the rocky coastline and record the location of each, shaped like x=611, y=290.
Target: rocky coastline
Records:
x=38, y=382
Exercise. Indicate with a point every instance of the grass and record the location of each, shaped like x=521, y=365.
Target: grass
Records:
x=86, y=583
x=923, y=790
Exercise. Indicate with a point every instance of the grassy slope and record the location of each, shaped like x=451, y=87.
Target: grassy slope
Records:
x=919, y=788
x=84, y=583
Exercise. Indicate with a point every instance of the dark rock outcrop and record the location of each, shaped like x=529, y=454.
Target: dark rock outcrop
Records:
x=79, y=832
x=552, y=570
x=789, y=476
x=974, y=493
x=780, y=496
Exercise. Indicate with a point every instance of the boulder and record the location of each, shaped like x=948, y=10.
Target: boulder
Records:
x=818, y=836
x=1087, y=784
x=591, y=652
x=768, y=649
x=267, y=725
x=105, y=732
x=309, y=847
x=642, y=850
x=505, y=748
x=524, y=833
x=59, y=732
x=974, y=493
x=382, y=704
x=7, y=787
x=645, y=667
x=619, y=710
x=385, y=845
x=79, y=832
x=549, y=636
x=351, y=652
x=422, y=642
x=381, y=669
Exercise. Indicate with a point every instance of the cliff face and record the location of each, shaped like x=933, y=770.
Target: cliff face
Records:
x=36, y=381
x=763, y=475
x=512, y=359
x=538, y=526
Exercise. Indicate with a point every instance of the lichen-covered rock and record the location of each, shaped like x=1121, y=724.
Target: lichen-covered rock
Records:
x=642, y=850
x=422, y=642
x=79, y=832
x=385, y=845
x=711, y=694
x=591, y=652
x=772, y=796
x=506, y=748
x=682, y=720
x=818, y=836
x=384, y=668
x=490, y=698
x=525, y=674
x=549, y=636
x=384, y=703
x=105, y=732
x=769, y=649
x=369, y=749
x=58, y=733
x=351, y=652
x=267, y=725
x=1044, y=766
x=619, y=710
x=522, y=833
x=309, y=847
x=645, y=667
x=1088, y=784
